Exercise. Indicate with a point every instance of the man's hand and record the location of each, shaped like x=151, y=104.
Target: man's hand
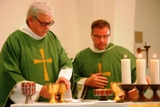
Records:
x=133, y=94
x=96, y=81
x=148, y=80
x=65, y=81
x=44, y=93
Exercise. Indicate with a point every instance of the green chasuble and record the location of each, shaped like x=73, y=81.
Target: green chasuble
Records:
x=24, y=58
x=86, y=63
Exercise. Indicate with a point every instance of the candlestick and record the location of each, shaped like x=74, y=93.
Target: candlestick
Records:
x=126, y=71
x=139, y=50
x=140, y=66
x=154, y=70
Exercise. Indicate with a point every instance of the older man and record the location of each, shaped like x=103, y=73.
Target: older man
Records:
x=33, y=53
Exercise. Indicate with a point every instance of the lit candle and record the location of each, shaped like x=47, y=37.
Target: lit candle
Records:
x=146, y=43
x=154, y=70
x=126, y=70
x=140, y=66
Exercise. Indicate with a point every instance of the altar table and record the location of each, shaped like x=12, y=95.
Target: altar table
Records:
x=82, y=104
x=91, y=104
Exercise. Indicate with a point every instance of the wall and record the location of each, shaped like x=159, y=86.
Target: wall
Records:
x=72, y=21
x=147, y=20
x=124, y=23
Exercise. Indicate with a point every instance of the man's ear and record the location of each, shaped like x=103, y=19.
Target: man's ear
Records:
x=30, y=18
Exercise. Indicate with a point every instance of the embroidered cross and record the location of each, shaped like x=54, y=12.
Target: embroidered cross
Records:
x=44, y=64
x=100, y=70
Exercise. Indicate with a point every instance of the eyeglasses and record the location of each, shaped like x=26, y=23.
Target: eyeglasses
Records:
x=99, y=37
x=44, y=23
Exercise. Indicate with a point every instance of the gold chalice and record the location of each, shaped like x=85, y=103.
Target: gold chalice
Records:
x=62, y=89
x=117, y=91
x=52, y=89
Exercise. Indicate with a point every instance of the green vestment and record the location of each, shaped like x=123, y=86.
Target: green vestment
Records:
x=86, y=63
x=24, y=58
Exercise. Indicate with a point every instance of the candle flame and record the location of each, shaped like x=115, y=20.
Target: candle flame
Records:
x=140, y=55
x=154, y=56
x=125, y=56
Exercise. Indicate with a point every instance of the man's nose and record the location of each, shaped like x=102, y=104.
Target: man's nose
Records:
x=101, y=38
x=47, y=27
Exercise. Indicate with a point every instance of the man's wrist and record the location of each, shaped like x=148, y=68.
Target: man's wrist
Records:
x=86, y=82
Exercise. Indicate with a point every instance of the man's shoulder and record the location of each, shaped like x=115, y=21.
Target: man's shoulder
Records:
x=119, y=47
x=15, y=35
x=122, y=50
x=51, y=35
x=16, y=32
x=84, y=51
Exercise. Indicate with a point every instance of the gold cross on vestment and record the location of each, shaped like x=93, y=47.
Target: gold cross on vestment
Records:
x=103, y=73
x=44, y=64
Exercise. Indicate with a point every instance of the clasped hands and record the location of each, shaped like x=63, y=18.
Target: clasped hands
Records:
x=44, y=93
x=96, y=80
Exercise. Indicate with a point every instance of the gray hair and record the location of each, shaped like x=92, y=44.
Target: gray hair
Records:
x=39, y=7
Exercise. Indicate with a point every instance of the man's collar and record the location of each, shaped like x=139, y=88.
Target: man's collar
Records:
x=24, y=28
x=108, y=47
x=97, y=50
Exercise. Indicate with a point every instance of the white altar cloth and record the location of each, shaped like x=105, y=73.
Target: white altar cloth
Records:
x=74, y=104
x=91, y=104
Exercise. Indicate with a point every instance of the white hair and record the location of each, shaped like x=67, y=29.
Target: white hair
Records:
x=39, y=7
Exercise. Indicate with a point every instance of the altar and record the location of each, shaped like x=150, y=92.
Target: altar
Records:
x=80, y=104
x=91, y=104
